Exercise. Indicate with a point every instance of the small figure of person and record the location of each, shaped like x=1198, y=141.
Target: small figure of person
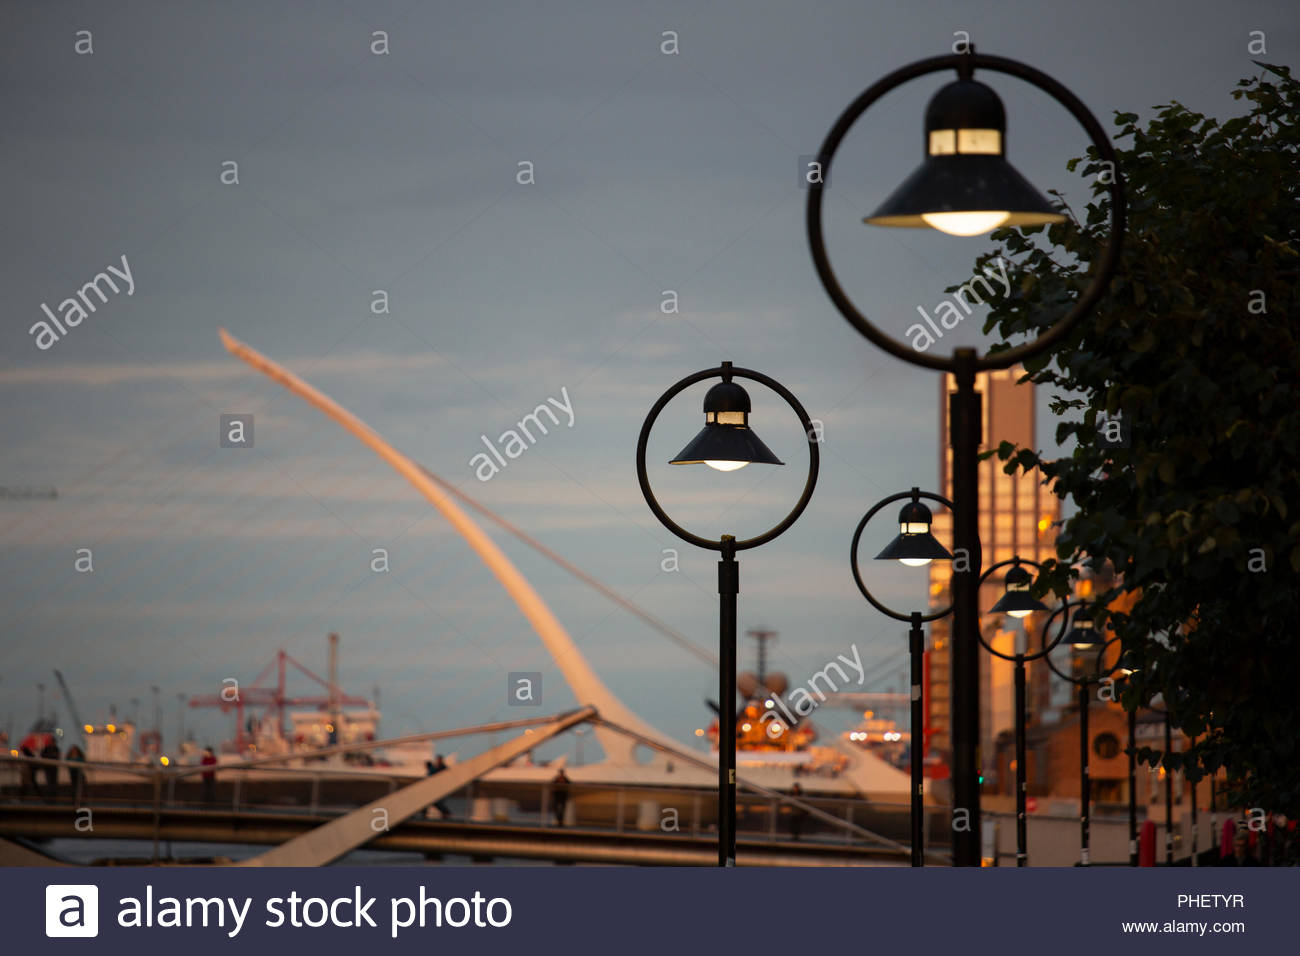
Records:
x=76, y=776
x=51, y=752
x=209, y=759
x=435, y=766
x=560, y=795
x=798, y=815
x=1241, y=855
x=29, y=772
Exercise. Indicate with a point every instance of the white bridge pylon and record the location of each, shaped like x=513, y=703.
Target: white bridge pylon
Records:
x=578, y=673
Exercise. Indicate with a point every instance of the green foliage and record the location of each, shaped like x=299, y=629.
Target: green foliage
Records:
x=1209, y=384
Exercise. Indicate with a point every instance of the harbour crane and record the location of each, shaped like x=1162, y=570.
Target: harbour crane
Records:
x=79, y=727
x=274, y=698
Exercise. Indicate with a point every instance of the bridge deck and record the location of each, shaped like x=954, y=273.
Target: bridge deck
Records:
x=476, y=840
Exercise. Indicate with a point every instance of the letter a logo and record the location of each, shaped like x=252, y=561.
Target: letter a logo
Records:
x=71, y=910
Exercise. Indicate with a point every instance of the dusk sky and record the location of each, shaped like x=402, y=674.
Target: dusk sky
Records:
x=361, y=171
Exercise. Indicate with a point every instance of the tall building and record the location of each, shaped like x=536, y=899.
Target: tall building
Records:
x=1017, y=517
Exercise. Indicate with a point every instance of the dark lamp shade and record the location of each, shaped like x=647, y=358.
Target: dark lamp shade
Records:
x=965, y=186
x=914, y=550
x=1081, y=639
x=1016, y=600
x=726, y=442
x=914, y=546
x=1083, y=634
x=1083, y=631
x=726, y=448
x=965, y=195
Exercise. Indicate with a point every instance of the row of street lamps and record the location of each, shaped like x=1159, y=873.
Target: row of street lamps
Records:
x=915, y=546
x=964, y=186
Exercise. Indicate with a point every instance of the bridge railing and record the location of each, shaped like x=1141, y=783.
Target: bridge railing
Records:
x=693, y=811
x=329, y=790
x=124, y=783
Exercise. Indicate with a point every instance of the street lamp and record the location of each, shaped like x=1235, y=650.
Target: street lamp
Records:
x=1083, y=633
x=914, y=546
x=727, y=443
x=1016, y=599
x=1017, y=602
x=966, y=186
x=1080, y=639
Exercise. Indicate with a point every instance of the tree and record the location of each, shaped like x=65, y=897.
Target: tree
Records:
x=1197, y=350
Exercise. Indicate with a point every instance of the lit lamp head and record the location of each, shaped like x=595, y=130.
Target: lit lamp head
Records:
x=726, y=442
x=1016, y=600
x=1127, y=662
x=965, y=186
x=915, y=546
x=1083, y=632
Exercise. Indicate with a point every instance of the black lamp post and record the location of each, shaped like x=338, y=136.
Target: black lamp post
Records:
x=914, y=546
x=1169, y=792
x=1081, y=639
x=726, y=443
x=1169, y=787
x=1125, y=671
x=965, y=186
x=1017, y=602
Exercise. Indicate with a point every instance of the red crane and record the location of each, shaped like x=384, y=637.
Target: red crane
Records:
x=274, y=698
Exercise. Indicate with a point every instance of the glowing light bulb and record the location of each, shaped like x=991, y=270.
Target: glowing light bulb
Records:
x=914, y=562
x=726, y=465
x=1020, y=613
x=965, y=223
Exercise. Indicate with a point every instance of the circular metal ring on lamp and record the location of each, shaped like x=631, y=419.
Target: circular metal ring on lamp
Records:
x=1078, y=681
x=978, y=61
x=1036, y=654
x=1101, y=656
x=720, y=372
x=857, y=573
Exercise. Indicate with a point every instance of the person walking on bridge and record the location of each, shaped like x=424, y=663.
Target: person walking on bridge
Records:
x=28, y=772
x=51, y=770
x=209, y=759
x=436, y=766
x=76, y=776
x=560, y=795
